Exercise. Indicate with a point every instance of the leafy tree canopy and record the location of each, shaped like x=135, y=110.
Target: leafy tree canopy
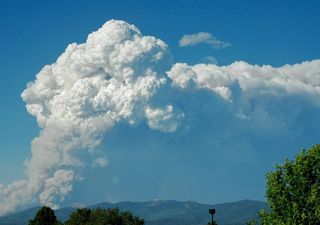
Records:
x=103, y=217
x=293, y=191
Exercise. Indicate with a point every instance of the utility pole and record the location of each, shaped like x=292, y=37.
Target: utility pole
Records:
x=212, y=211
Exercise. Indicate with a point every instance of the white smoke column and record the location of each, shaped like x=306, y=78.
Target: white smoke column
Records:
x=112, y=77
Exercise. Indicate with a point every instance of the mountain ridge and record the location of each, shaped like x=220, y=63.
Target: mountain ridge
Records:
x=163, y=212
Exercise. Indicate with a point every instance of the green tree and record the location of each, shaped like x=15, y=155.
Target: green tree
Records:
x=79, y=217
x=103, y=217
x=293, y=191
x=45, y=216
x=252, y=222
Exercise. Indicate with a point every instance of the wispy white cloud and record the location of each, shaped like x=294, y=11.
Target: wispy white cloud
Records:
x=100, y=162
x=210, y=60
x=202, y=37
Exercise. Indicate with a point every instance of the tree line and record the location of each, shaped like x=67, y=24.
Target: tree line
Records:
x=85, y=216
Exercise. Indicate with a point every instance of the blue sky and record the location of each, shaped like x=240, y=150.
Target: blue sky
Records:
x=150, y=164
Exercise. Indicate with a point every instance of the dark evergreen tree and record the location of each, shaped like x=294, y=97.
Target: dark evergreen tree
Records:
x=44, y=216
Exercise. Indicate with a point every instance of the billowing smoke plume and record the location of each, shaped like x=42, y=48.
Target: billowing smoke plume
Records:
x=251, y=81
x=119, y=75
x=113, y=77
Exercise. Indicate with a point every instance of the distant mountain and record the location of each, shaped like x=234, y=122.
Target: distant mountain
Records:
x=164, y=212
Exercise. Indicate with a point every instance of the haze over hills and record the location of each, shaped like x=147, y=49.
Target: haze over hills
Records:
x=160, y=212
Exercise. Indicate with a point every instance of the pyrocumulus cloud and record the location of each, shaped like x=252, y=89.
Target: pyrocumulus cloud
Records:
x=119, y=75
